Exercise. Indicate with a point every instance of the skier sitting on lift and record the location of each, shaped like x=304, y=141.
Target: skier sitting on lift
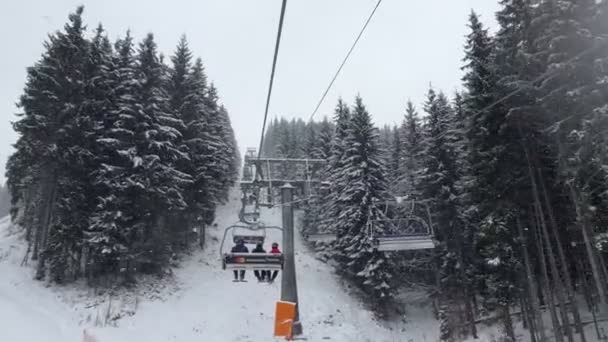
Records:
x=275, y=250
x=264, y=274
x=240, y=248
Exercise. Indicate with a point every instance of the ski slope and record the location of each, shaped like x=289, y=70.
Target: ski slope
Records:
x=199, y=303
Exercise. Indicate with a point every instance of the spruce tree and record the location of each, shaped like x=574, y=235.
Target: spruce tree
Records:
x=222, y=152
x=486, y=210
x=335, y=163
x=322, y=149
x=395, y=157
x=362, y=176
x=409, y=163
x=49, y=150
x=158, y=138
x=310, y=140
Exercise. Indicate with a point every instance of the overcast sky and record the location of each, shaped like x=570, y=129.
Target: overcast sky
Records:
x=407, y=46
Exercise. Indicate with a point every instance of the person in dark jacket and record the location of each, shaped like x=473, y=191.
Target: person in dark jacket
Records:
x=261, y=275
x=275, y=250
x=239, y=248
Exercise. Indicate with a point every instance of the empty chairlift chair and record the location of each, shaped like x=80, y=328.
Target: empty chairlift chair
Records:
x=321, y=237
x=410, y=233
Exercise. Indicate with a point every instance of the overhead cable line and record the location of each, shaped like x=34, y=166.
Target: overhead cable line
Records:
x=345, y=59
x=274, y=64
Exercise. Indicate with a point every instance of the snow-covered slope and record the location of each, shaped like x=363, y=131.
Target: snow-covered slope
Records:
x=28, y=310
x=200, y=304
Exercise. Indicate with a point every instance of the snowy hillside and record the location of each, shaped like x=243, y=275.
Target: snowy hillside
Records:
x=200, y=302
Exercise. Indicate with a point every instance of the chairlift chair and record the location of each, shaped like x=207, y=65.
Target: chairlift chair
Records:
x=250, y=261
x=416, y=235
x=321, y=237
x=249, y=217
x=266, y=198
x=402, y=243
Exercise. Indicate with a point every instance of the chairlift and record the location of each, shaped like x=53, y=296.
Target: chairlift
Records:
x=321, y=237
x=250, y=261
x=407, y=233
x=249, y=213
x=402, y=243
x=267, y=198
x=249, y=217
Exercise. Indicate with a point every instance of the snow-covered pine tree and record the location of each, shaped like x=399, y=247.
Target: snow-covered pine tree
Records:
x=493, y=169
x=299, y=133
x=409, y=163
x=566, y=44
x=158, y=139
x=329, y=211
x=456, y=138
x=205, y=147
x=82, y=68
x=113, y=224
x=361, y=176
x=322, y=149
x=232, y=151
x=268, y=149
x=438, y=184
x=386, y=144
x=99, y=165
x=310, y=141
x=48, y=147
x=395, y=157
x=100, y=241
x=222, y=155
x=186, y=89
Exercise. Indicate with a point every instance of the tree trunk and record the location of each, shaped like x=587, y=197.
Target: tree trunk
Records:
x=545, y=235
x=552, y=262
x=562, y=258
x=506, y=318
x=589, y=299
x=528, y=316
x=29, y=222
x=469, y=314
x=201, y=235
x=48, y=197
x=600, y=257
x=545, y=282
x=531, y=282
x=37, y=215
x=27, y=203
x=589, y=248
x=525, y=313
x=438, y=292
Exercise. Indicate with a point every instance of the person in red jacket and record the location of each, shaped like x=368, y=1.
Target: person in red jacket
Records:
x=275, y=250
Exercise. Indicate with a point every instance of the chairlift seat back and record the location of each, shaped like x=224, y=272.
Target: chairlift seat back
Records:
x=321, y=237
x=403, y=243
x=253, y=261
